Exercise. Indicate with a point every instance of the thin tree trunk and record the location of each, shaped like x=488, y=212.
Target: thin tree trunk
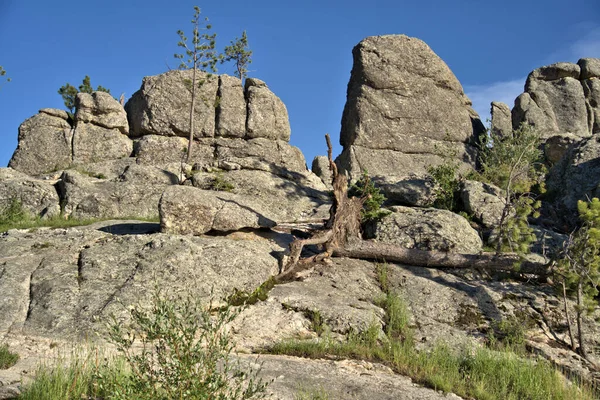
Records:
x=364, y=249
x=582, y=348
x=189, y=149
x=564, y=287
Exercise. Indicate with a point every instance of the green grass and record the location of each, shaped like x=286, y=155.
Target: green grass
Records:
x=14, y=216
x=92, y=376
x=7, y=357
x=312, y=394
x=481, y=373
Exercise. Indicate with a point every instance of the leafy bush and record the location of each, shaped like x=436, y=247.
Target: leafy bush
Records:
x=7, y=357
x=185, y=352
x=447, y=185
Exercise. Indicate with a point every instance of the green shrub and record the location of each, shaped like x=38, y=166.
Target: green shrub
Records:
x=7, y=357
x=220, y=184
x=185, y=352
x=447, y=185
x=374, y=199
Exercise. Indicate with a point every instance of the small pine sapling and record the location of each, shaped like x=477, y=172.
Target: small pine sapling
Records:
x=579, y=268
x=69, y=93
x=240, y=54
x=514, y=163
x=199, y=55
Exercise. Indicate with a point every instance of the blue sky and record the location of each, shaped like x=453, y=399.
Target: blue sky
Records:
x=302, y=49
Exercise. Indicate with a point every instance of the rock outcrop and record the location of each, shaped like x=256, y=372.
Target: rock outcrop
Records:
x=427, y=229
x=44, y=143
x=405, y=110
x=501, y=119
x=100, y=129
x=575, y=177
x=561, y=102
x=37, y=197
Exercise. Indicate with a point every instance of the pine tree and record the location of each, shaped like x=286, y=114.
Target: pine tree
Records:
x=240, y=54
x=199, y=55
x=69, y=93
x=513, y=163
x=579, y=267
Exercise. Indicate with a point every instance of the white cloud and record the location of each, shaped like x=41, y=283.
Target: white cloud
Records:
x=587, y=45
x=483, y=95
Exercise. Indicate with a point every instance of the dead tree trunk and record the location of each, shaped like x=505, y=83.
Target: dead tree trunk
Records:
x=341, y=238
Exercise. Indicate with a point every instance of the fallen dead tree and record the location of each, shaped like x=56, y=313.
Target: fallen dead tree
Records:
x=341, y=237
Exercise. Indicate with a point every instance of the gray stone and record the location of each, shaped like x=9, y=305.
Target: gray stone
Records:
x=485, y=202
x=556, y=146
x=93, y=143
x=55, y=112
x=65, y=283
x=590, y=68
x=101, y=109
x=412, y=190
x=231, y=112
x=390, y=165
x=575, y=177
x=162, y=105
x=591, y=89
x=555, y=72
x=156, y=150
x=44, y=144
x=427, y=229
x=297, y=378
x=36, y=196
x=403, y=98
x=267, y=115
x=320, y=167
x=553, y=102
x=276, y=156
x=190, y=211
x=276, y=198
x=83, y=196
x=501, y=119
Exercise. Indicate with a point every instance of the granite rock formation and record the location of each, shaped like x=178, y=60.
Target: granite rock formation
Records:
x=405, y=110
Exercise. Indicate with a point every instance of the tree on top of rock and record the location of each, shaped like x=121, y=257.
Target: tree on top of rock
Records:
x=200, y=54
x=69, y=93
x=3, y=73
x=239, y=53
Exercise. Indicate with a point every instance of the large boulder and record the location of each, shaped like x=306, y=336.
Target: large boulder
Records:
x=93, y=143
x=101, y=109
x=501, y=119
x=575, y=177
x=100, y=129
x=267, y=115
x=187, y=210
x=162, y=105
x=405, y=110
x=37, y=197
x=275, y=197
x=133, y=194
x=427, y=229
x=561, y=99
x=483, y=201
x=44, y=143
